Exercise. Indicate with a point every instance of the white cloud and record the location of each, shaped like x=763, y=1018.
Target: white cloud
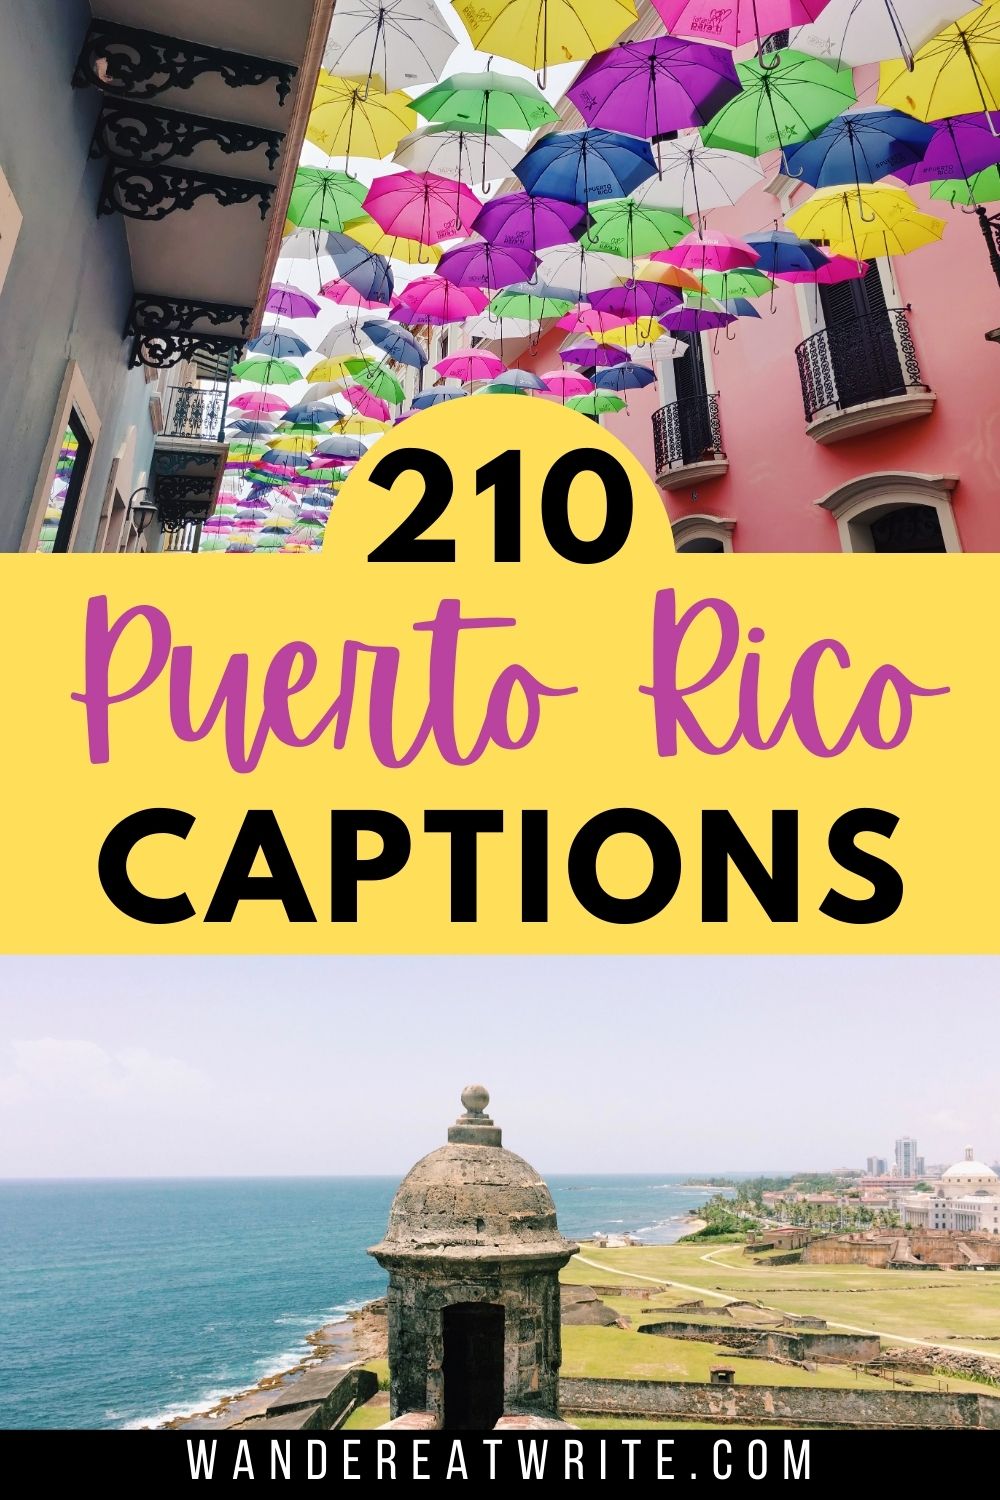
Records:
x=79, y=1071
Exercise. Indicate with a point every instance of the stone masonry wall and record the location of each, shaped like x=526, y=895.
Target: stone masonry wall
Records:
x=836, y=1348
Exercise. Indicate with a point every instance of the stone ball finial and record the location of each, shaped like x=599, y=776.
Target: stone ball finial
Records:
x=475, y=1098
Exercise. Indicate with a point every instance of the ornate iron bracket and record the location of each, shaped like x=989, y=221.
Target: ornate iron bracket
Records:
x=181, y=498
x=161, y=328
x=152, y=193
x=166, y=465
x=142, y=64
x=990, y=225
x=144, y=132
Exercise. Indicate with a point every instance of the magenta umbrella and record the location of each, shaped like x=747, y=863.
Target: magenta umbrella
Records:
x=592, y=356
x=481, y=265
x=433, y=299
x=736, y=23
x=290, y=301
x=651, y=87
x=368, y=405
x=634, y=300
x=422, y=206
x=708, y=252
x=519, y=221
x=838, y=268
x=563, y=383
x=346, y=295
x=259, y=402
x=470, y=364
x=590, y=320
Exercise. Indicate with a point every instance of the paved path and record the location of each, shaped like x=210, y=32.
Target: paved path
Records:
x=704, y=1291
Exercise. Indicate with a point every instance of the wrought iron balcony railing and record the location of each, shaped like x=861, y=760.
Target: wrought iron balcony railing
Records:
x=865, y=358
x=687, y=432
x=196, y=413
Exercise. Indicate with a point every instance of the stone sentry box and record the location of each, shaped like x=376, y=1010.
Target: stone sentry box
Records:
x=473, y=1253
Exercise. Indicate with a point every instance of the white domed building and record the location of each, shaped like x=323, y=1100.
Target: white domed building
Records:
x=966, y=1199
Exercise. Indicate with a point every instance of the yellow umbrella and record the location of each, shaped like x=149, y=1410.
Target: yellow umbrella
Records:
x=645, y=331
x=539, y=32
x=293, y=443
x=956, y=73
x=865, y=222
x=666, y=275
x=350, y=118
x=360, y=426
x=411, y=252
x=329, y=371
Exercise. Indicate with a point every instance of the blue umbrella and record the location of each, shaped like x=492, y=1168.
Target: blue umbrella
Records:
x=740, y=307
x=317, y=412
x=580, y=166
x=338, y=446
x=861, y=145
x=253, y=425
x=435, y=398
x=396, y=343
x=517, y=380
x=780, y=250
x=369, y=274
x=627, y=377
x=279, y=343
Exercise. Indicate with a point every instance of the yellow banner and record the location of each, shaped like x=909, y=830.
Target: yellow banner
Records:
x=499, y=714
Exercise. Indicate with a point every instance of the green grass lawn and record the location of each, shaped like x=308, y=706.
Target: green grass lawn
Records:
x=916, y=1304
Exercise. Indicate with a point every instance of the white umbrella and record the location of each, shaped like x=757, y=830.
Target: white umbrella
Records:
x=342, y=339
x=586, y=270
x=485, y=327
x=696, y=177
x=868, y=31
x=303, y=244
x=452, y=152
x=401, y=42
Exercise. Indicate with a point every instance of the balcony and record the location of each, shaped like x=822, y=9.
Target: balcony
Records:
x=189, y=461
x=687, y=441
x=859, y=375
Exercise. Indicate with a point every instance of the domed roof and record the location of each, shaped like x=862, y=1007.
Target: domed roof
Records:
x=965, y=1170
x=471, y=1199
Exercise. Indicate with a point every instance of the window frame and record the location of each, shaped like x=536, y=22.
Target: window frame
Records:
x=859, y=502
x=74, y=400
x=703, y=528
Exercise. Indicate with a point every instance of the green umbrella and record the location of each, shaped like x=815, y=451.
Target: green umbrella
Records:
x=307, y=429
x=523, y=305
x=329, y=475
x=477, y=100
x=781, y=105
x=497, y=388
x=377, y=380
x=324, y=199
x=267, y=372
x=596, y=404
x=723, y=284
x=981, y=187
x=629, y=229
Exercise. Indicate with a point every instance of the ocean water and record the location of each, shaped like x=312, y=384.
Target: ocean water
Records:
x=125, y=1303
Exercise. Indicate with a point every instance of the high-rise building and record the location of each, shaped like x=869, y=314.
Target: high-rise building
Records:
x=921, y=1167
x=906, y=1156
x=877, y=1166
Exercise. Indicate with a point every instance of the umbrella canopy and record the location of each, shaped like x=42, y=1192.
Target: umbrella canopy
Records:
x=596, y=404
x=738, y=23
x=591, y=321
x=267, y=372
x=532, y=308
x=470, y=364
x=250, y=426
x=341, y=447
x=633, y=336
x=834, y=270
x=520, y=221
x=981, y=187
x=694, y=177
x=584, y=269
x=780, y=105
x=781, y=253
x=627, y=377
x=636, y=299
x=710, y=252
x=422, y=206
x=402, y=42
x=740, y=307
x=437, y=300
x=437, y=397
x=958, y=148
x=260, y=402
x=393, y=246
x=314, y=412
x=650, y=87
x=667, y=275
x=344, y=338
x=749, y=283
x=697, y=313
x=856, y=32
x=454, y=151
x=628, y=229
x=324, y=199
x=866, y=223
x=346, y=295
x=290, y=301
x=957, y=72
x=590, y=356
x=518, y=380
x=479, y=264
x=357, y=263
x=397, y=344
x=480, y=100
x=563, y=383
x=861, y=145
x=350, y=118
x=577, y=166
x=368, y=405
x=538, y=33
x=279, y=343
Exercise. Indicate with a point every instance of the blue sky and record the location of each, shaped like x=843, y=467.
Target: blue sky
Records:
x=178, y=1066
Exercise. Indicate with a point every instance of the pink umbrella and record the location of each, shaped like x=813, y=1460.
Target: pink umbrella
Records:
x=259, y=402
x=564, y=384
x=368, y=405
x=739, y=22
x=422, y=206
x=346, y=295
x=491, y=266
x=433, y=297
x=470, y=364
x=591, y=320
x=709, y=252
x=290, y=302
x=839, y=268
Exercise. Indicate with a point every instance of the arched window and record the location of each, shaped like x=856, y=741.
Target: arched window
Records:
x=895, y=512
x=703, y=534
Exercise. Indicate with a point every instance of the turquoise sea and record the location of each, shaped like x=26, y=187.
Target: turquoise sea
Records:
x=124, y=1303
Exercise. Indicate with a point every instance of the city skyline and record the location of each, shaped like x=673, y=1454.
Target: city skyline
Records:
x=270, y=1067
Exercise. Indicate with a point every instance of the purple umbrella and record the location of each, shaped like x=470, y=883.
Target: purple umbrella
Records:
x=959, y=147
x=649, y=88
x=636, y=300
x=290, y=302
x=693, y=319
x=589, y=355
x=482, y=265
x=520, y=221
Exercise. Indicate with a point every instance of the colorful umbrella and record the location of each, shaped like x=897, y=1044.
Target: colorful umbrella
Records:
x=478, y=264
x=279, y=343
x=578, y=166
x=452, y=151
x=958, y=148
x=627, y=229
x=402, y=42
x=396, y=343
x=861, y=145
x=538, y=33
x=739, y=22
x=781, y=253
x=981, y=187
x=351, y=119
x=267, y=372
x=435, y=300
x=516, y=303
x=563, y=384
x=597, y=404
x=346, y=295
x=667, y=275
x=367, y=404
x=956, y=73
x=592, y=356
x=344, y=338
x=709, y=252
x=368, y=273
x=392, y=246
x=481, y=100
x=866, y=223
x=651, y=87
x=341, y=447
x=697, y=313
x=324, y=199
x=437, y=397
x=632, y=336
x=520, y=221
x=249, y=427
x=636, y=299
x=590, y=321
x=739, y=283
x=694, y=177
x=517, y=380
x=576, y=266
x=470, y=364
x=781, y=104
x=422, y=206
x=833, y=270
x=261, y=402
x=379, y=381
x=290, y=301
x=627, y=377
x=856, y=32
x=312, y=413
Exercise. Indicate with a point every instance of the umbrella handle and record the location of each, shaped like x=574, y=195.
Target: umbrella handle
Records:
x=766, y=67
